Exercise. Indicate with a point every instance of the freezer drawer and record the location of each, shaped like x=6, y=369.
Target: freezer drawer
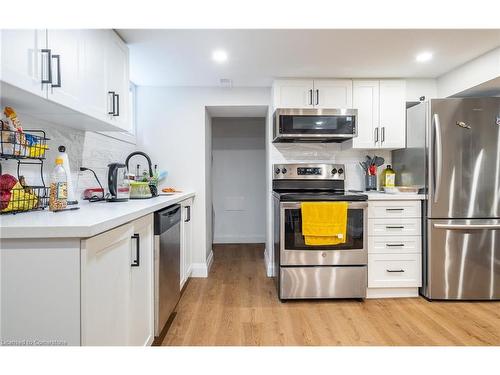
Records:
x=463, y=259
x=323, y=282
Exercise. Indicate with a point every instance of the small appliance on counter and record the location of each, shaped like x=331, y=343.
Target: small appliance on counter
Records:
x=118, y=185
x=140, y=189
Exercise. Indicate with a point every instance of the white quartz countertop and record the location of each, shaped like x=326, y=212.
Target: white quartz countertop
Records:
x=381, y=196
x=90, y=220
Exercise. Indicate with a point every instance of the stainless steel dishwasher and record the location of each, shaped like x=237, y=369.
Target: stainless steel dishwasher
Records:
x=167, y=263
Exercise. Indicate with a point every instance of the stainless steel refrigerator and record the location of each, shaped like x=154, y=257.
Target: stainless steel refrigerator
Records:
x=453, y=154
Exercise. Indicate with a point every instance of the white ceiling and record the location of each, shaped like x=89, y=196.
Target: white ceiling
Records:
x=183, y=57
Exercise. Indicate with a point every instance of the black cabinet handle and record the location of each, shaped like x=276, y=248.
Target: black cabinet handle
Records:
x=49, y=65
x=394, y=209
x=310, y=97
x=137, y=260
x=317, y=97
x=58, y=68
x=117, y=96
x=188, y=219
x=383, y=134
x=376, y=134
x=394, y=244
x=395, y=271
x=112, y=112
x=395, y=227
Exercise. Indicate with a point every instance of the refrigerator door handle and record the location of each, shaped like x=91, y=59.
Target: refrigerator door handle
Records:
x=467, y=226
x=438, y=157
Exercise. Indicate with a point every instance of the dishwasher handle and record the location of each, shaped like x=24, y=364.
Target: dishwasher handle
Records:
x=167, y=218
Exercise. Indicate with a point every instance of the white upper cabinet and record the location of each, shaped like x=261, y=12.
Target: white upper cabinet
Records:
x=117, y=72
x=366, y=100
x=332, y=93
x=84, y=72
x=66, y=67
x=392, y=114
x=309, y=93
x=381, y=109
x=293, y=93
x=23, y=62
x=94, y=89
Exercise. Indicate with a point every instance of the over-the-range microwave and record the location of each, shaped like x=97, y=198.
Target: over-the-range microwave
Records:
x=314, y=125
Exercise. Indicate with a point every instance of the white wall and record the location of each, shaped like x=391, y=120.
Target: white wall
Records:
x=172, y=128
x=239, y=179
x=475, y=72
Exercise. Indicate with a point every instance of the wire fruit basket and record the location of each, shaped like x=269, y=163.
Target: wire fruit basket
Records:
x=24, y=199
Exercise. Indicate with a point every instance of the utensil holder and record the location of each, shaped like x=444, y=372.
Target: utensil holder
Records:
x=370, y=182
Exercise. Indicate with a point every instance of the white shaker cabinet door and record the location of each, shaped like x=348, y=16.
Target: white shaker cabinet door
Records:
x=186, y=241
x=67, y=74
x=23, y=63
x=117, y=73
x=366, y=101
x=141, y=320
x=332, y=93
x=392, y=114
x=93, y=91
x=293, y=93
x=105, y=287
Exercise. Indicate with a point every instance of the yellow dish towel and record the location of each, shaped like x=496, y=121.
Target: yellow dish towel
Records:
x=324, y=223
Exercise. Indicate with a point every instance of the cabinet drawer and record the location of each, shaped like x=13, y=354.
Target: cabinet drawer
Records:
x=394, y=209
x=394, y=245
x=394, y=270
x=394, y=227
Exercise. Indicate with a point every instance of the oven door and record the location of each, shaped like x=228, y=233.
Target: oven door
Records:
x=294, y=251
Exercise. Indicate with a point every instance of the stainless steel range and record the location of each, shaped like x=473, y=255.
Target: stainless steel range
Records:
x=303, y=271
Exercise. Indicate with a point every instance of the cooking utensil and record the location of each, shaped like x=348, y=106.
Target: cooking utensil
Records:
x=378, y=161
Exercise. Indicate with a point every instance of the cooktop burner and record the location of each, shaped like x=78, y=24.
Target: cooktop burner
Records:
x=293, y=196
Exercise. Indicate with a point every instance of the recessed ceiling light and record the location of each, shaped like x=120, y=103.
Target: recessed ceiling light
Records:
x=424, y=56
x=219, y=56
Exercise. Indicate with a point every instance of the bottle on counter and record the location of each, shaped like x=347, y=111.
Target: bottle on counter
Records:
x=58, y=199
x=71, y=192
x=388, y=177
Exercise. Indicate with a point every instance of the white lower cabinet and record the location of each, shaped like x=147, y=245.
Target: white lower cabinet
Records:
x=186, y=241
x=117, y=286
x=394, y=249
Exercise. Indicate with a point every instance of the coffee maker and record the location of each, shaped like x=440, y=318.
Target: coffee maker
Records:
x=118, y=184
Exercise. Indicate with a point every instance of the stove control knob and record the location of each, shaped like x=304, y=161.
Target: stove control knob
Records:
x=341, y=171
x=277, y=171
x=323, y=255
x=334, y=171
x=283, y=170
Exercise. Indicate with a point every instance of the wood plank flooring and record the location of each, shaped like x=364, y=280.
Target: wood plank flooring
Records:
x=237, y=305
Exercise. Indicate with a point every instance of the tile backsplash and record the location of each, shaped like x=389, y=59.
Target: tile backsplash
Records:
x=88, y=149
x=328, y=153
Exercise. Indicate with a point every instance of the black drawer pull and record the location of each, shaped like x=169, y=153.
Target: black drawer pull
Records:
x=395, y=271
x=394, y=209
x=137, y=260
x=395, y=227
x=395, y=244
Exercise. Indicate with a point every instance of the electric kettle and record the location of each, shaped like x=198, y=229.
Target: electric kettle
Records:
x=118, y=184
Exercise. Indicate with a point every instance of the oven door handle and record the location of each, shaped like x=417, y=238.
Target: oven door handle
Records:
x=352, y=205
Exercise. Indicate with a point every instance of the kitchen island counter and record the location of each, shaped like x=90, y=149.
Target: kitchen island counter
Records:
x=91, y=219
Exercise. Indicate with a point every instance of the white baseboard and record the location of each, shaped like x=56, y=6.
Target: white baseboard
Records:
x=239, y=239
x=202, y=269
x=269, y=264
x=391, y=292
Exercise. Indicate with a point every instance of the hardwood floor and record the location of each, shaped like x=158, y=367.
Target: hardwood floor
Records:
x=237, y=305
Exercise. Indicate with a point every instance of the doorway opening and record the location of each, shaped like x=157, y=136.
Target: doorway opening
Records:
x=237, y=198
